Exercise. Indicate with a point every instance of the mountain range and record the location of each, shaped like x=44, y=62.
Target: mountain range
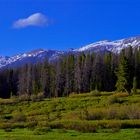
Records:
x=40, y=54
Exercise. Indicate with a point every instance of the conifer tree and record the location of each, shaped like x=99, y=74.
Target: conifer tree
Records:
x=123, y=75
x=134, y=89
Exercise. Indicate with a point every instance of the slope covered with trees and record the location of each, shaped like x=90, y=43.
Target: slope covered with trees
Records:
x=74, y=74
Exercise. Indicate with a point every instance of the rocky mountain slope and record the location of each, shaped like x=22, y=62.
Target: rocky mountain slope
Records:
x=38, y=55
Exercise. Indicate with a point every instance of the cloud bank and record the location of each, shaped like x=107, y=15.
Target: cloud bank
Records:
x=36, y=19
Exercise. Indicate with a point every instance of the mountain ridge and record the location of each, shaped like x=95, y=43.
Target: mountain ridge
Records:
x=39, y=54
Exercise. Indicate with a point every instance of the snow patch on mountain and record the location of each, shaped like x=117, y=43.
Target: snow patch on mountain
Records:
x=113, y=46
x=40, y=54
x=29, y=56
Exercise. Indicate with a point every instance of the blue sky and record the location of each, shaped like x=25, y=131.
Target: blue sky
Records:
x=63, y=24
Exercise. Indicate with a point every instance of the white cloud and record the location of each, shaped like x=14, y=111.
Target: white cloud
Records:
x=36, y=19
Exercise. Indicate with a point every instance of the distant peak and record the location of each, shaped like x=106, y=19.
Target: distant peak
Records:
x=103, y=41
x=36, y=51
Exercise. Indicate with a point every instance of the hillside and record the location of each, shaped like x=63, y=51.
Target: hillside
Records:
x=99, y=113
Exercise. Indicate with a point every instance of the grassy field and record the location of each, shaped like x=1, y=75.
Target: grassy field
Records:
x=95, y=115
x=24, y=134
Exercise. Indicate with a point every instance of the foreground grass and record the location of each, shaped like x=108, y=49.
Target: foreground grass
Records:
x=90, y=116
x=25, y=134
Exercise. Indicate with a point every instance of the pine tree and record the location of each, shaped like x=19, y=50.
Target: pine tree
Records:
x=134, y=89
x=22, y=81
x=70, y=64
x=45, y=76
x=87, y=73
x=79, y=76
x=123, y=75
x=98, y=72
x=29, y=88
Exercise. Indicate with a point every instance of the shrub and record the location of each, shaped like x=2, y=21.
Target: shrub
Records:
x=62, y=131
x=74, y=115
x=114, y=130
x=75, y=95
x=112, y=113
x=7, y=116
x=96, y=93
x=18, y=125
x=92, y=126
x=121, y=94
x=19, y=117
x=58, y=114
x=42, y=130
x=84, y=114
x=80, y=126
x=15, y=99
x=113, y=99
x=114, y=124
x=5, y=125
x=133, y=112
x=96, y=114
x=122, y=113
x=33, y=98
x=24, y=97
x=37, y=98
x=34, y=113
x=31, y=124
x=130, y=124
x=41, y=124
x=8, y=130
x=7, y=101
x=40, y=96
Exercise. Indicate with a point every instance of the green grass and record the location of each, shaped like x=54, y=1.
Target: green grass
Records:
x=24, y=134
x=107, y=116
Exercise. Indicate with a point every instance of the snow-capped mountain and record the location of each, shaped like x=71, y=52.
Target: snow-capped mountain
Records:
x=39, y=55
x=33, y=57
x=111, y=46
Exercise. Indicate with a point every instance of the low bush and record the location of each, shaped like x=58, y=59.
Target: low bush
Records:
x=6, y=125
x=96, y=114
x=81, y=95
x=130, y=124
x=113, y=99
x=24, y=97
x=19, y=117
x=133, y=112
x=8, y=130
x=121, y=94
x=74, y=115
x=125, y=112
x=115, y=130
x=80, y=126
x=34, y=113
x=31, y=124
x=62, y=131
x=18, y=125
x=113, y=124
x=42, y=130
x=7, y=101
x=38, y=97
x=41, y=124
x=7, y=117
x=95, y=93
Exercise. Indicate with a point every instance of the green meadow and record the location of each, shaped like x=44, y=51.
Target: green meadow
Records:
x=90, y=116
x=25, y=134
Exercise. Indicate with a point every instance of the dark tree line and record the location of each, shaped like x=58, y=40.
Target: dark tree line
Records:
x=78, y=74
